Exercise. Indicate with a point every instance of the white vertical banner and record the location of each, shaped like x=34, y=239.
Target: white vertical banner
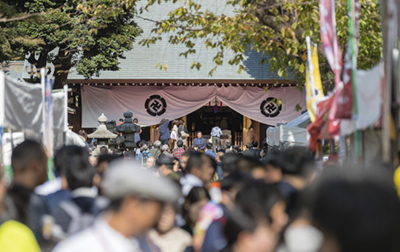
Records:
x=47, y=113
x=47, y=124
x=65, y=108
x=2, y=103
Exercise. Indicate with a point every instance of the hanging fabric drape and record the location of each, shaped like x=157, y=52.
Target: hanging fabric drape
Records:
x=150, y=104
x=23, y=106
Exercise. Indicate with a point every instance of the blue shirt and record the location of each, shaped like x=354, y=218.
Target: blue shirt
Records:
x=216, y=132
x=144, y=154
x=201, y=142
x=53, y=199
x=210, y=153
x=164, y=130
x=214, y=239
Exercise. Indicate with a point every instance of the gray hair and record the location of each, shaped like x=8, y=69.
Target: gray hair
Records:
x=165, y=147
x=157, y=144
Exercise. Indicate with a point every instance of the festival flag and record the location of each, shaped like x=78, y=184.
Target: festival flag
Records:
x=313, y=80
x=343, y=108
x=329, y=38
x=47, y=130
x=315, y=129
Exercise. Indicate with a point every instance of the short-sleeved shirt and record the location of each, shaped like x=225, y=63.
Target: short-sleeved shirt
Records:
x=216, y=132
x=100, y=237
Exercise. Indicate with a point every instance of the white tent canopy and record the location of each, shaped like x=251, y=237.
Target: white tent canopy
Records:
x=301, y=121
x=291, y=134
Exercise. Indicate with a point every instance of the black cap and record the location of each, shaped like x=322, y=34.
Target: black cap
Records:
x=166, y=160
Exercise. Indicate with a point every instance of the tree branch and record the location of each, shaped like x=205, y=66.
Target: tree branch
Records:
x=185, y=28
x=25, y=16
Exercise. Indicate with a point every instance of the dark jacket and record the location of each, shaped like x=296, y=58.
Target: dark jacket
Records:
x=164, y=131
x=53, y=199
x=31, y=208
x=180, y=129
x=256, y=153
x=201, y=142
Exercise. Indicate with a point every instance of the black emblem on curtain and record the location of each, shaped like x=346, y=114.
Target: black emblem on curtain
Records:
x=155, y=105
x=270, y=108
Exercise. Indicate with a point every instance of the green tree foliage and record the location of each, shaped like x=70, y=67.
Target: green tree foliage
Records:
x=90, y=35
x=12, y=42
x=277, y=28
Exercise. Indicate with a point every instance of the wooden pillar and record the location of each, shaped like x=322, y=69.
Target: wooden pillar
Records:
x=248, y=133
x=256, y=132
x=152, y=133
x=156, y=134
x=75, y=120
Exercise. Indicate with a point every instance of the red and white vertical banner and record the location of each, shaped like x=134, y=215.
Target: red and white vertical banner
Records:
x=333, y=53
x=330, y=42
x=343, y=108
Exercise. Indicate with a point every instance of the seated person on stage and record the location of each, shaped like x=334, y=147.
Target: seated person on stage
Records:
x=200, y=141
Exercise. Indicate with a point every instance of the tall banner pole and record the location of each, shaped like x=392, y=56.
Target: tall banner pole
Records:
x=2, y=111
x=388, y=23
x=333, y=55
x=353, y=59
x=310, y=66
x=65, y=113
x=329, y=39
x=338, y=66
x=47, y=126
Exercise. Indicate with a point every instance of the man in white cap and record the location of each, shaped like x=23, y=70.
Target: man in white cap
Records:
x=136, y=198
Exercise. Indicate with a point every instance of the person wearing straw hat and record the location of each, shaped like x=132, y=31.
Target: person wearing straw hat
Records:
x=136, y=201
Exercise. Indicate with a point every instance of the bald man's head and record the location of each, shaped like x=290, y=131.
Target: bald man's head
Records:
x=150, y=162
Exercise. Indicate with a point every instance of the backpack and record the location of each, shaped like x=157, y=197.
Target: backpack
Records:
x=79, y=220
x=145, y=156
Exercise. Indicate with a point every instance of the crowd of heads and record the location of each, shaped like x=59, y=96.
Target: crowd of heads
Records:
x=186, y=200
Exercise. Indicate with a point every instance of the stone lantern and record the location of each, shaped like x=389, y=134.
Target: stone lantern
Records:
x=128, y=130
x=102, y=135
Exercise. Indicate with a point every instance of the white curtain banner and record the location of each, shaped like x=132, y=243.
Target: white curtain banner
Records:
x=58, y=111
x=23, y=106
x=150, y=104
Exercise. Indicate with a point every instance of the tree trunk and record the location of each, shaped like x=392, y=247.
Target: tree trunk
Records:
x=62, y=66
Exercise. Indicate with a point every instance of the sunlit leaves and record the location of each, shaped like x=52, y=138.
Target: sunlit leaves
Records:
x=275, y=28
x=91, y=35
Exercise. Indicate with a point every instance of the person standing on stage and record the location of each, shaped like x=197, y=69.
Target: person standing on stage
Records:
x=216, y=133
x=164, y=131
x=183, y=133
x=137, y=134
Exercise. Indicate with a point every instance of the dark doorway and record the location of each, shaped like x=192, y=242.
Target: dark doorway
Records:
x=145, y=135
x=204, y=119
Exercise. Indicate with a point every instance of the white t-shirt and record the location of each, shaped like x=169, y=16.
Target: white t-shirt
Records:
x=176, y=240
x=188, y=182
x=99, y=237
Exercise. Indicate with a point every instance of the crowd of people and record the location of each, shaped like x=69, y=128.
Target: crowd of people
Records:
x=206, y=198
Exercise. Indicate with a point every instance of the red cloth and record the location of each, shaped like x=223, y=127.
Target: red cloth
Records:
x=118, y=125
x=319, y=129
x=178, y=153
